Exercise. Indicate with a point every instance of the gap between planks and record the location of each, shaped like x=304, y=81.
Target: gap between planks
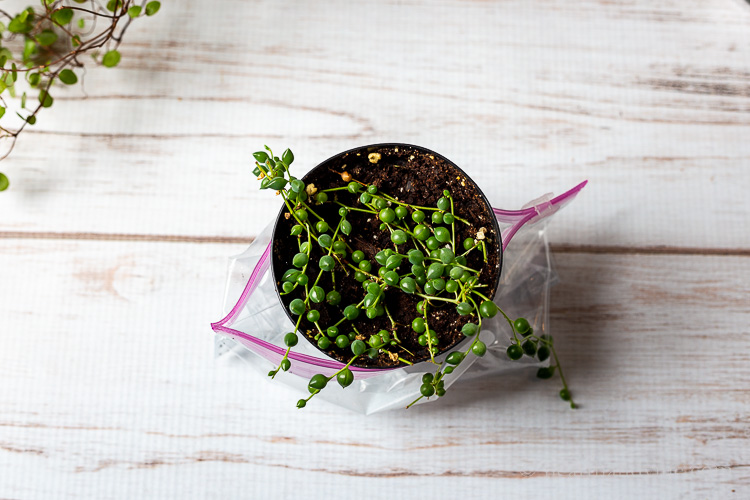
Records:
x=178, y=238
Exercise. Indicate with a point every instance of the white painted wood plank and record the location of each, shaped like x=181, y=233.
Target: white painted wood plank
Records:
x=220, y=477
x=651, y=103
x=108, y=389
x=160, y=189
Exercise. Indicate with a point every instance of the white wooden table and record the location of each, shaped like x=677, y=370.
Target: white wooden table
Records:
x=124, y=206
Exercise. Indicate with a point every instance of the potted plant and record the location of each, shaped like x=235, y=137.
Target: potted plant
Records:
x=385, y=256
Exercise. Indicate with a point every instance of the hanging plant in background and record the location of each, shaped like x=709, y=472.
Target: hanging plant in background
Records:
x=44, y=46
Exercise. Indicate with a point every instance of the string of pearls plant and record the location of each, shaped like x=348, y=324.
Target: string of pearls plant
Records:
x=422, y=258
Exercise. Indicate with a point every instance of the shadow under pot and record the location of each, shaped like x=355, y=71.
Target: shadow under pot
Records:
x=385, y=255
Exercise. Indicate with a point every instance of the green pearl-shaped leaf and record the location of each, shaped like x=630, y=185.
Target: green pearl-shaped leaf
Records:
x=300, y=259
x=442, y=235
x=345, y=377
x=393, y=262
x=261, y=156
x=277, y=183
x=296, y=184
x=408, y=285
x=317, y=294
x=317, y=383
x=446, y=255
x=435, y=270
x=469, y=329
x=287, y=156
x=327, y=263
x=290, y=339
x=297, y=307
x=454, y=358
x=358, y=347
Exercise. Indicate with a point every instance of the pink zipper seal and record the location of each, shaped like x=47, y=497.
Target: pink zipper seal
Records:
x=541, y=208
x=305, y=365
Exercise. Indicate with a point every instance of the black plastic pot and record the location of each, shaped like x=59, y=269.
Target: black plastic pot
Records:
x=278, y=268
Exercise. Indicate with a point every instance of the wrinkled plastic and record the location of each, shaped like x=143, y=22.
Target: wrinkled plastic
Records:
x=255, y=322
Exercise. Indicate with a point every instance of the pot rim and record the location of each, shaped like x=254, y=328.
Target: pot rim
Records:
x=494, y=223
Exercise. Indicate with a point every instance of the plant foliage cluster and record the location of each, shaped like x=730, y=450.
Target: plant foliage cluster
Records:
x=49, y=45
x=423, y=258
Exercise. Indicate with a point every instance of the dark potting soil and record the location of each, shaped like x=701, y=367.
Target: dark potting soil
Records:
x=413, y=176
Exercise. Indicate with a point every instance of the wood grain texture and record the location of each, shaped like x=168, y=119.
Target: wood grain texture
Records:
x=127, y=196
x=650, y=103
x=107, y=389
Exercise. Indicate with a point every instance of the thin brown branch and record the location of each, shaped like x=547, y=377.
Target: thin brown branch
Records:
x=51, y=70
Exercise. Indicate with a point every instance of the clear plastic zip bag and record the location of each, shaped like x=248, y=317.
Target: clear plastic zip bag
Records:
x=255, y=322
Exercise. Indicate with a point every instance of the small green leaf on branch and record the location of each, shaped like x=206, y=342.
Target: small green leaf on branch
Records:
x=152, y=8
x=111, y=59
x=68, y=77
